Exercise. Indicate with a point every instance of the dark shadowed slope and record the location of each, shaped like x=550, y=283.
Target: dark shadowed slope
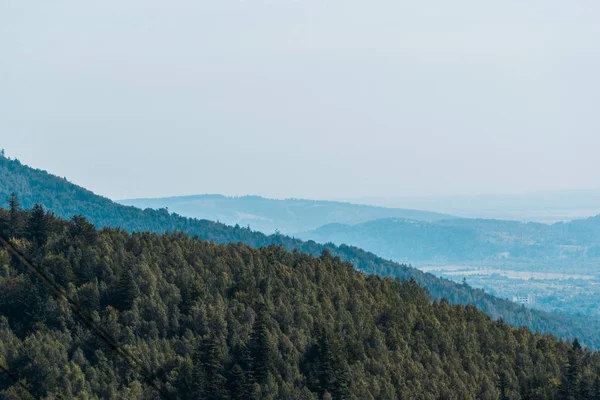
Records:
x=234, y=322
x=66, y=199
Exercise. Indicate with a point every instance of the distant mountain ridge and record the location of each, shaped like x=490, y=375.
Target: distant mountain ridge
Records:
x=464, y=239
x=541, y=206
x=270, y=215
x=66, y=199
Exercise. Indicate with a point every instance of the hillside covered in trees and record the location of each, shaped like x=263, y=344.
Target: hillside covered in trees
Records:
x=66, y=200
x=228, y=321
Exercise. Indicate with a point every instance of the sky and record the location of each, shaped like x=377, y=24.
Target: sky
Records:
x=314, y=98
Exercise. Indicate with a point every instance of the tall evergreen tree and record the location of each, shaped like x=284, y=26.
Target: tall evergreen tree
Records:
x=16, y=219
x=503, y=385
x=325, y=368
x=82, y=229
x=241, y=386
x=261, y=349
x=4, y=223
x=208, y=371
x=127, y=291
x=596, y=390
x=237, y=384
x=569, y=388
x=37, y=225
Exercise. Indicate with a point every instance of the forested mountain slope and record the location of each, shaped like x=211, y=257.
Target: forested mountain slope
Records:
x=235, y=322
x=269, y=215
x=66, y=199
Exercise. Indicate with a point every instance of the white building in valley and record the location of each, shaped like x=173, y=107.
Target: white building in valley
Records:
x=528, y=300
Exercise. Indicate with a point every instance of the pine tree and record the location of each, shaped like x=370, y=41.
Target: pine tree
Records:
x=37, y=225
x=596, y=390
x=15, y=217
x=127, y=291
x=586, y=389
x=237, y=384
x=82, y=229
x=503, y=385
x=4, y=223
x=208, y=371
x=13, y=203
x=199, y=376
x=569, y=387
x=335, y=374
x=261, y=350
x=325, y=368
x=242, y=358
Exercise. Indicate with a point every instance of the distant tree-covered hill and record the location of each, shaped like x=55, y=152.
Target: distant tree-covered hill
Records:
x=66, y=199
x=230, y=321
x=268, y=215
x=468, y=239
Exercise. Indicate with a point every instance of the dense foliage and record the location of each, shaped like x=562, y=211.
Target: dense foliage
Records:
x=231, y=321
x=66, y=200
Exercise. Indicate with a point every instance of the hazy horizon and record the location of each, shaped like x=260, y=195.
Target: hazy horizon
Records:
x=304, y=99
x=542, y=206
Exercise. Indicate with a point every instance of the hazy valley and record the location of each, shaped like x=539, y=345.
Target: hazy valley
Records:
x=558, y=263
x=288, y=216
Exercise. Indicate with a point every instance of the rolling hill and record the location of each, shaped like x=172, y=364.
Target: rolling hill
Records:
x=464, y=239
x=66, y=199
x=270, y=215
x=220, y=322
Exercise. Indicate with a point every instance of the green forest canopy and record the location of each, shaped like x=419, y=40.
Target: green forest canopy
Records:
x=221, y=321
x=66, y=200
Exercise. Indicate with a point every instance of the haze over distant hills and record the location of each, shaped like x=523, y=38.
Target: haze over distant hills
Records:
x=558, y=262
x=268, y=215
x=465, y=239
x=546, y=206
x=401, y=234
x=66, y=199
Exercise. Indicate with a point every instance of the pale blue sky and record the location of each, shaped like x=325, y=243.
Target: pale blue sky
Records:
x=313, y=98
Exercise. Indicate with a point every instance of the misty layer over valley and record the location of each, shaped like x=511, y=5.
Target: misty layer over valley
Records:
x=558, y=263
x=536, y=206
x=269, y=215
